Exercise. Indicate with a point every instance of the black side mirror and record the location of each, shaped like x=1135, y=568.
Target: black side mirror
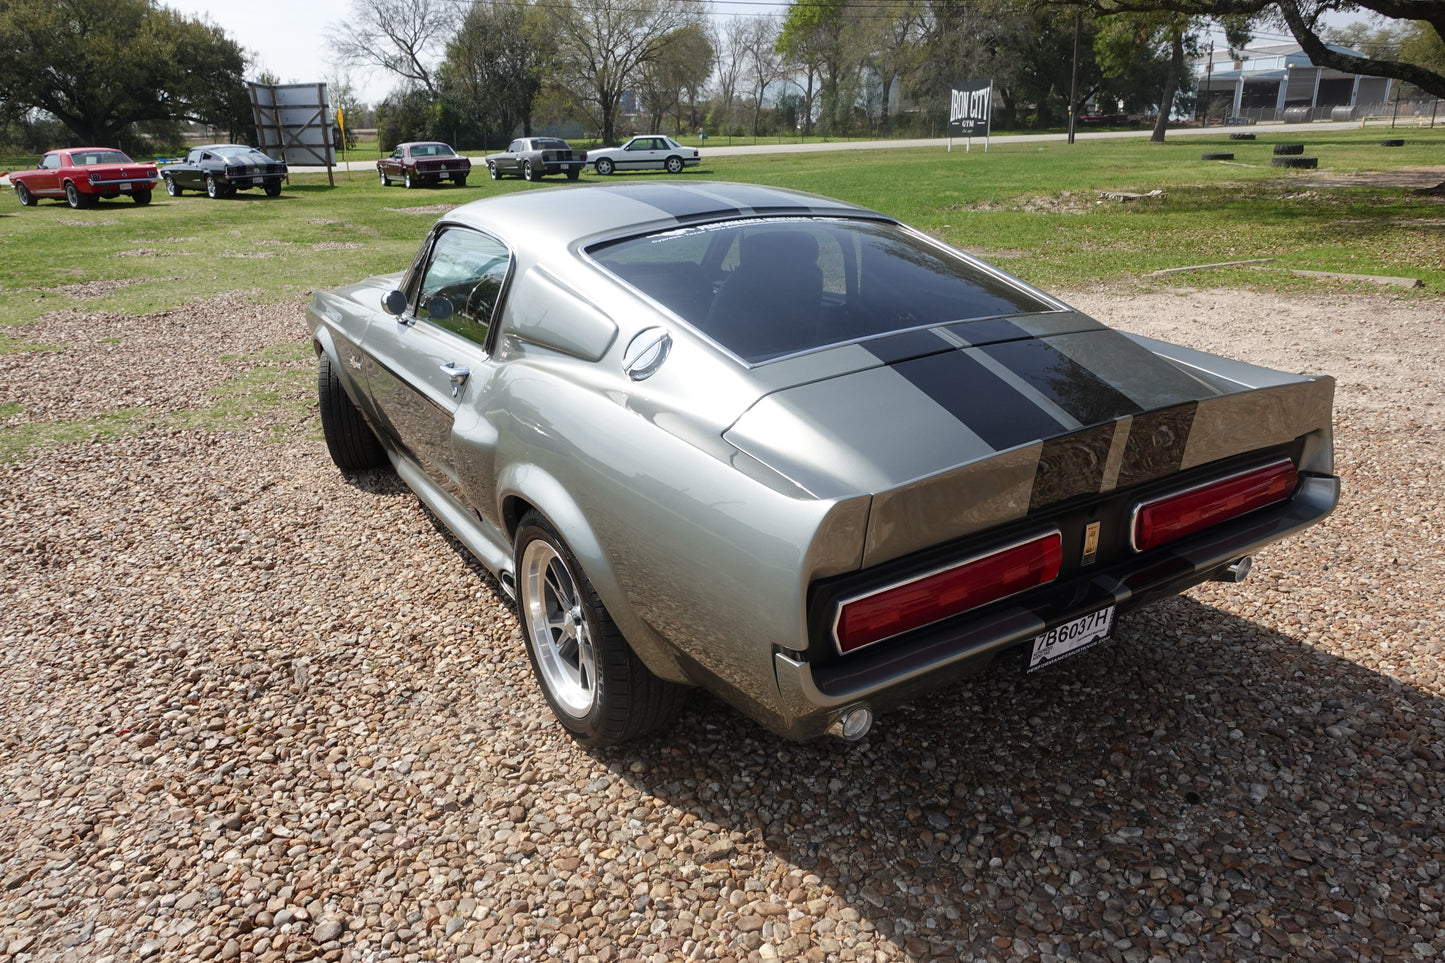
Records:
x=394, y=303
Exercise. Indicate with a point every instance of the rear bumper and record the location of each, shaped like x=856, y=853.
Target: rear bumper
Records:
x=811, y=698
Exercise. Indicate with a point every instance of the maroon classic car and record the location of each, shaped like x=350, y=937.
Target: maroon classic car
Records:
x=80, y=176
x=423, y=162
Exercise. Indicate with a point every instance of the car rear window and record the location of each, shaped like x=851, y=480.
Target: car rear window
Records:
x=769, y=288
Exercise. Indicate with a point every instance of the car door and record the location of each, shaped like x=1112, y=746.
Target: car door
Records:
x=430, y=363
x=643, y=152
x=46, y=179
x=189, y=174
x=392, y=164
x=511, y=163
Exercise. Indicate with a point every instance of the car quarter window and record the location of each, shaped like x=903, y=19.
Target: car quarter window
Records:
x=467, y=269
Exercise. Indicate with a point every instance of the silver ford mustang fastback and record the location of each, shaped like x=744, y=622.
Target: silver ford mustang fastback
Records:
x=794, y=452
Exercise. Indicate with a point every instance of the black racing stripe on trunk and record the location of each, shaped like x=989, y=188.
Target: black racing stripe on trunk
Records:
x=682, y=203
x=1063, y=381
x=906, y=346
x=1156, y=444
x=1072, y=465
x=987, y=332
x=989, y=406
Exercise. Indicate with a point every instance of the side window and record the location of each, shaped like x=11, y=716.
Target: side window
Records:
x=50, y=162
x=516, y=147
x=462, y=283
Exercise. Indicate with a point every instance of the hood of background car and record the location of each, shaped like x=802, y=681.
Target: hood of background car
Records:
x=1029, y=420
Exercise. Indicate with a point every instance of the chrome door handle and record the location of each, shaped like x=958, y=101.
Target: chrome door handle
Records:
x=457, y=376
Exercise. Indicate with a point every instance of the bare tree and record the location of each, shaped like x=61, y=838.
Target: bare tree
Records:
x=764, y=63
x=402, y=37
x=731, y=61
x=604, y=43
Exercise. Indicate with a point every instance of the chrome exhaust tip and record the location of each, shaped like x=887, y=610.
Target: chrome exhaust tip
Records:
x=852, y=723
x=1237, y=572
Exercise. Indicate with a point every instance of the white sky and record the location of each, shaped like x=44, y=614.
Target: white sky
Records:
x=286, y=38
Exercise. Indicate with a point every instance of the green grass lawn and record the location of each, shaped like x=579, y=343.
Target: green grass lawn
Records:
x=1033, y=208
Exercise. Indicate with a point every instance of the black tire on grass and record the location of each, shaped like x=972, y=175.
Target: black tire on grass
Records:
x=1284, y=149
x=1393, y=142
x=1304, y=163
x=1241, y=137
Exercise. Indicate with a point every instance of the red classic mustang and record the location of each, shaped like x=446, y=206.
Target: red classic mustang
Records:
x=83, y=175
x=424, y=162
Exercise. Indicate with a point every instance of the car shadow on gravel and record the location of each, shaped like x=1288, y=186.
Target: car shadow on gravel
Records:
x=1201, y=786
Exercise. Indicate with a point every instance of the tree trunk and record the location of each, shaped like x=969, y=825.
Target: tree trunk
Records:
x=1171, y=86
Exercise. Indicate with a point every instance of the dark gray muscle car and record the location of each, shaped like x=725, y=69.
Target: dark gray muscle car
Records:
x=533, y=158
x=223, y=169
x=794, y=452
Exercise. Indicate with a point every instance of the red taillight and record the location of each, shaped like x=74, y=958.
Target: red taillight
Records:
x=1184, y=513
x=910, y=605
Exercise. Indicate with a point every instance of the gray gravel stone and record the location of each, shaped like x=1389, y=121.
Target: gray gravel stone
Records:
x=252, y=708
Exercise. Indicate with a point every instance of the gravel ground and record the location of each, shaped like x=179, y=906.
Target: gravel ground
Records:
x=251, y=709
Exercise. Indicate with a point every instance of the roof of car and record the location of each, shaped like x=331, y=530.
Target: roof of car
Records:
x=561, y=215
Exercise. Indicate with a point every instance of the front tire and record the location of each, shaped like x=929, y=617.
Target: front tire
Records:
x=23, y=195
x=141, y=197
x=385, y=181
x=213, y=187
x=597, y=687
x=674, y=165
x=273, y=188
x=605, y=166
x=406, y=181
x=172, y=188
x=492, y=169
x=349, y=439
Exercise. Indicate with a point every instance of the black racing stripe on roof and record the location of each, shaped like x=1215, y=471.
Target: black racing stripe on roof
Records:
x=987, y=332
x=1065, y=382
x=908, y=345
x=989, y=406
x=683, y=203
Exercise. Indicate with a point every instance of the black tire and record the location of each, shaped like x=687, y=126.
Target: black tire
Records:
x=385, y=181
x=1393, y=142
x=141, y=197
x=1241, y=137
x=605, y=166
x=1285, y=149
x=674, y=165
x=273, y=188
x=23, y=195
x=1216, y=156
x=349, y=438
x=492, y=169
x=598, y=688
x=407, y=180
x=1304, y=163
x=574, y=173
x=75, y=199
x=213, y=188
x=530, y=173
x=172, y=188
x=460, y=180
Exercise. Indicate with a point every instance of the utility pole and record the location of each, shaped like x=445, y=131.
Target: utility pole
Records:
x=1208, y=76
x=1074, y=82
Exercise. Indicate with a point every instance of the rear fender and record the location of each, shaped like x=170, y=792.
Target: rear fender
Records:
x=533, y=486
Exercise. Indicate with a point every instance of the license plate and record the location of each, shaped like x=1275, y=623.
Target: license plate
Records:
x=1070, y=638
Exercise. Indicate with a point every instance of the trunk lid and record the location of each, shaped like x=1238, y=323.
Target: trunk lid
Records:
x=958, y=429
